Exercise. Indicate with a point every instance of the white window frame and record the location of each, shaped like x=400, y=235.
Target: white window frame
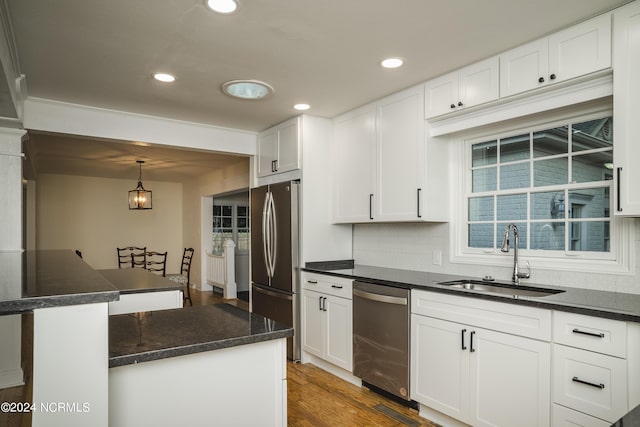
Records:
x=620, y=259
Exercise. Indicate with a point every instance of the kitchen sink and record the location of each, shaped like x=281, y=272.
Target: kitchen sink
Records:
x=505, y=289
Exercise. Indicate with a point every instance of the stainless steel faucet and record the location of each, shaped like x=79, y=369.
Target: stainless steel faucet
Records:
x=505, y=248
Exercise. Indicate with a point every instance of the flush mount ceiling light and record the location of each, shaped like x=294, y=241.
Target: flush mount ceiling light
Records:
x=222, y=6
x=392, y=62
x=302, y=107
x=139, y=198
x=247, y=89
x=164, y=77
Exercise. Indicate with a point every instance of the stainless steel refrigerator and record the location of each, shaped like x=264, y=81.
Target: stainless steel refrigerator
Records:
x=275, y=244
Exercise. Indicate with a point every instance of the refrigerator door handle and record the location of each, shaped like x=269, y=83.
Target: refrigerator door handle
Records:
x=265, y=233
x=274, y=235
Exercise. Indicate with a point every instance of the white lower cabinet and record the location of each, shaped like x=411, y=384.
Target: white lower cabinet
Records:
x=327, y=320
x=565, y=417
x=465, y=369
x=479, y=376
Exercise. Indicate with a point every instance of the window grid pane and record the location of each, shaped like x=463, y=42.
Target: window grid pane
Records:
x=568, y=216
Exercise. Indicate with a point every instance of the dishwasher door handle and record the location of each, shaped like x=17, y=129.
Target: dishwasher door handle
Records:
x=380, y=298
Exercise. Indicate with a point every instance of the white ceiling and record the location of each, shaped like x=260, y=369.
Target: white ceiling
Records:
x=325, y=53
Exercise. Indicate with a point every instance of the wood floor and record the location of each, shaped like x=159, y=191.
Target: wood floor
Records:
x=315, y=398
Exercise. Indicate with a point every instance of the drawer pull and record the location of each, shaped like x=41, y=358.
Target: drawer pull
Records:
x=464, y=347
x=578, y=380
x=336, y=286
x=591, y=334
x=313, y=282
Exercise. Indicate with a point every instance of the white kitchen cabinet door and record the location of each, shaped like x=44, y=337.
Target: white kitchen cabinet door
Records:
x=278, y=148
x=339, y=332
x=479, y=83
x=523, y=68
x=441, y=95
x=626, y=107
x=509, y=380
x=400, y=149
x=440, y=365
x=267, y=151
x=313, y=330
x=354, y=158
x=288, y=152
x=580, y=49
x=470, y=86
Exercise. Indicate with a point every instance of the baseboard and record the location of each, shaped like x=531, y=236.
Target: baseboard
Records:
x=11, y=378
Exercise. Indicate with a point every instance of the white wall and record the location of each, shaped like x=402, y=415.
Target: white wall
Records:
x=232, y=178
x=411, y=247
x=92, y=215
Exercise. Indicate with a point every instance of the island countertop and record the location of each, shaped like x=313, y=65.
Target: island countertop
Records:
x=147, y=336
x=53, y=278
x=138, y=280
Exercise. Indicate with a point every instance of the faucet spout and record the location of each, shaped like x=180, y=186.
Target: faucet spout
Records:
x=517, y=275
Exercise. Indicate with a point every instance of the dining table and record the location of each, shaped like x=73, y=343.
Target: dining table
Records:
x=141, y=291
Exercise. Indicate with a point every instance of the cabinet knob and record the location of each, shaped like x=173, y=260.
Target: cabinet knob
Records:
x=552, y=77
x=453, y=106
x=541, y=80
x=460, y=104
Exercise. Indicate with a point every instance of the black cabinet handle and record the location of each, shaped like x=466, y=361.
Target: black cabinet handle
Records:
x=460, y=104
x=320, y=303
x=463, y=347
x=591, y=334
x=313, y=282
x=324, y=303
x=275, y=162
x=418, y=197
x=471, y=342
x=453, y=106
x=541, y=80
x=370, y=206
x=578, y=380
x=619, y=170
x=552, y=77
x=336, y=286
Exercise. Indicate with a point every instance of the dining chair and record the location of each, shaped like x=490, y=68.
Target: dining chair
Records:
x=156, y=262
x=139, y=260
x=185, y=274
x=125, y=258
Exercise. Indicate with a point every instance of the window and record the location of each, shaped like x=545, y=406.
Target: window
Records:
x=553, y=183
x=230, y=222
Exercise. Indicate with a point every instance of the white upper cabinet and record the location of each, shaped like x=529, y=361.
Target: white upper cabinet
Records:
x=576, y=51
x=278, y=148
x=626, y=107
x=382, y=163
x=354, y=161
x=467, y=87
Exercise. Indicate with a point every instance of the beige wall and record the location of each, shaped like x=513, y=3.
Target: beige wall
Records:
x=232, y=178
x=92, y=215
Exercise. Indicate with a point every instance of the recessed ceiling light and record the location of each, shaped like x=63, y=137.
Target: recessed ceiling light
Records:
x=222, y=6
x=247, y=89
x=164, y=77
x=302, y=107
x=392, y=62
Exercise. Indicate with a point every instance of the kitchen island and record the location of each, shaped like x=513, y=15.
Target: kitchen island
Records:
x=218, y=352
x=195, y=365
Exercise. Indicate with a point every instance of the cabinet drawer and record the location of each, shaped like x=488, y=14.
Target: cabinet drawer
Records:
x=509, y=318
x=565, y=417
x=588, y=382
x=590, y=333
x=338, y=286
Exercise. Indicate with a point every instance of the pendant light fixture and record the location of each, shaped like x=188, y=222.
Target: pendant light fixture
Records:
x=139, y=198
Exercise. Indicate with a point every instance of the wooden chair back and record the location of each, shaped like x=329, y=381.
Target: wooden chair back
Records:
x=156, y=262
x=126, y=254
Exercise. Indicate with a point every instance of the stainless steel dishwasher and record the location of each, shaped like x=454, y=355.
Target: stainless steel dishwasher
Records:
x=381, y=338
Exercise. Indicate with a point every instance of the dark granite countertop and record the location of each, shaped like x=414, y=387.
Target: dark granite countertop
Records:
x=53, y=278
x=138, y=280
x=147, y=336
x=613, y=305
